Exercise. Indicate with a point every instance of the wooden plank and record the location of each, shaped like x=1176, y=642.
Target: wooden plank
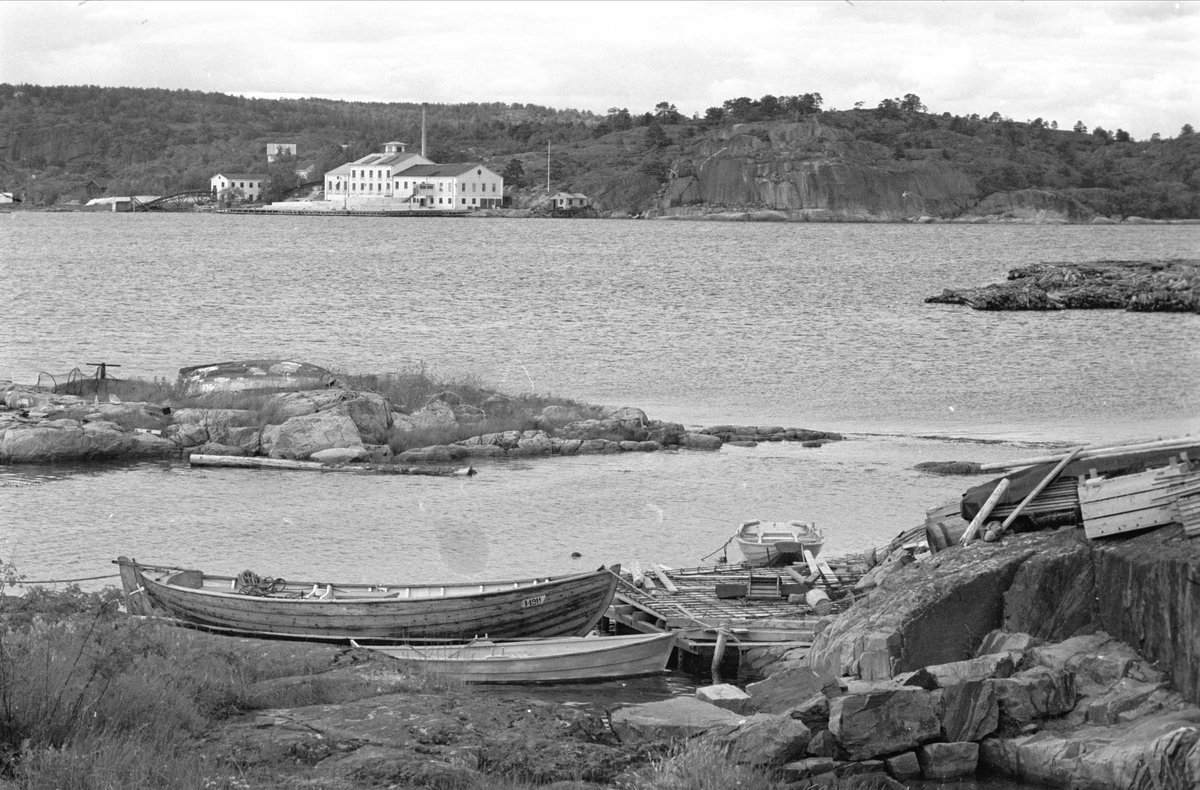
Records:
x=984, y=512
x=661, y=573
x=1129, y=502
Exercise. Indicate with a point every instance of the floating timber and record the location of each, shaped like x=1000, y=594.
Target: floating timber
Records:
x=256, y=462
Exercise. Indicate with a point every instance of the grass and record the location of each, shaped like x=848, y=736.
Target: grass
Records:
x=91, y=699
x=699, y=764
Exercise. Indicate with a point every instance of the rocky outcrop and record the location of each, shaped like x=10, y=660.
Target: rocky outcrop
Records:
x=809, y=172
x=1171, y=286
x=1100, y=692
x=1039, y=206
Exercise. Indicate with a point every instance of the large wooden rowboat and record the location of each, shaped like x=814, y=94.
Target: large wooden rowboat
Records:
x=774, y=543
x=515, y=609
x=571, y=658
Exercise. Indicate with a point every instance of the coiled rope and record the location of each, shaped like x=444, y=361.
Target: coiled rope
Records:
x=250, y=583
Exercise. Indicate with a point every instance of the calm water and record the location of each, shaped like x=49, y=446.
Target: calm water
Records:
x=816, y=326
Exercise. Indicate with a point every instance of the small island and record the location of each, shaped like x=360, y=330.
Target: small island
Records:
x=1152, y=286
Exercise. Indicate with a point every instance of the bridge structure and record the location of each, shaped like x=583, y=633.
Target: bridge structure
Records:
x=180, y=201
x=302, y=189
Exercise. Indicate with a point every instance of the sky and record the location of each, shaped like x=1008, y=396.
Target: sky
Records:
x=1129, y=65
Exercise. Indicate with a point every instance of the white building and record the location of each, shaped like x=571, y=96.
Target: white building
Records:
x=396, y=180
x=276, y=149
x=251, y=184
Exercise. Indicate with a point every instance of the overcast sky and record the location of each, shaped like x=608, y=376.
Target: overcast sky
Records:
x=1130, y=65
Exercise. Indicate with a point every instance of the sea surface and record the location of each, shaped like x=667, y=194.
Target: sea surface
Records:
x=813, y=326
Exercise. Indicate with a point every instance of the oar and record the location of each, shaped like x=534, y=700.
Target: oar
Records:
x=984, y=512
x=994, y=534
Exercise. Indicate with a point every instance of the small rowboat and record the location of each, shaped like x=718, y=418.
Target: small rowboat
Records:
x=777, y=542
x=247, y=605
x=573, y=658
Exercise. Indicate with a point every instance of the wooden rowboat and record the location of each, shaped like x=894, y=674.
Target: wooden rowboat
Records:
x=777, y=542
x=514, y=609
x=571, y=658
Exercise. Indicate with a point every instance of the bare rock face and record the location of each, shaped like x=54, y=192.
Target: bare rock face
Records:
x=948, y=760
x=763, y=740
x=1036, y=693
x=669, y=720
x=883, y=722
x=436, y=416
x=1160, y=752
x=69, y=440
x=1147, y=595
x=300, y=437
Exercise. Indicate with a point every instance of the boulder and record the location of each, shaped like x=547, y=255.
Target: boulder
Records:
x=371, y=413
x=437, y=415
x=340, y=455
x=823, y=744
x=814, y=712
x=286, y=405
x=763, y=740
x=725, y=695
x=402, y=423
x=994, y=665
x=534, y=443
x=215, y=448
x=903, y=766
x=783, y=691
x=799, y=770
x=669, y=720
x=1097, y=660
x=1159, y=752
x=1035, y=694
x=300, y=437
x=69, y=440
x=1000, y=641
x=969, y=711
x=948, y=760
x=883, y=722
x=700, y=441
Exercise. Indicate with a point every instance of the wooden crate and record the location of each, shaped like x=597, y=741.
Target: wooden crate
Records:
x=1114, y=505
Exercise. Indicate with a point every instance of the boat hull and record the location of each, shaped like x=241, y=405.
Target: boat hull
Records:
x=542, y=661
x=764, y=544
x=554, y=606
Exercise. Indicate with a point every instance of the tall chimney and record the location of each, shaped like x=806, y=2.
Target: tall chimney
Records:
x=422, y=128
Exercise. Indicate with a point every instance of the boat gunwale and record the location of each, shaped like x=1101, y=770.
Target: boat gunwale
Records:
x=627, y=641
x=513, y=584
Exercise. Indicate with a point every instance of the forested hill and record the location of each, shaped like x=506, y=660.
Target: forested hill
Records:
x=777, y=152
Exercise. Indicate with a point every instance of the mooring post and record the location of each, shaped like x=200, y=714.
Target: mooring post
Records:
x=718, y=654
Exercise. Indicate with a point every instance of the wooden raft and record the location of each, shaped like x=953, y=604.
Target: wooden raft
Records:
x=686, y=601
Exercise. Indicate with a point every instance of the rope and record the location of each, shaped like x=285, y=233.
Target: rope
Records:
x=250, y=583
x=65, y=581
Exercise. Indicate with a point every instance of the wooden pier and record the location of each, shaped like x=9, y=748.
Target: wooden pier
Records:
x=719, y=613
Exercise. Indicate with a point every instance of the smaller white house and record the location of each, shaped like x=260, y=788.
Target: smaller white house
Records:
x=569, y=200
x=6, y=197
x=251, y=184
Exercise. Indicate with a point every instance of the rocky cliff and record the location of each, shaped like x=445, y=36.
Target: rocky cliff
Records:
x=811, y=171
x=1143, y=590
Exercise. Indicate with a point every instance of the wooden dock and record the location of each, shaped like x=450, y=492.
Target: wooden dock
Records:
x=718, y=613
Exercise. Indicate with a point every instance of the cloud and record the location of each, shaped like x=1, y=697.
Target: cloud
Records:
x=1128, y=64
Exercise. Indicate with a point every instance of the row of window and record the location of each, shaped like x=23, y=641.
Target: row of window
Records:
x=359, y=187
